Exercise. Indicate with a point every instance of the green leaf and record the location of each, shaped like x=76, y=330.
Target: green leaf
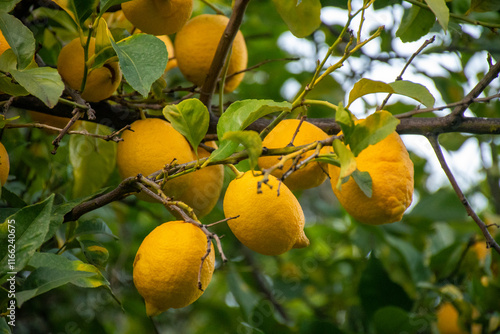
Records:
x=238, y=117
x=30, y=224
x=372, y=130
x=484, y=6
x=107, y=4
x=367, y=86
x=241, y=292
x=4, y=327
x=441, y=11
x=364, y=182
x=303, y=18
x=12, y=199
x=95, y=252
x=415, y=91
x=447, y=260
x=392, y=319
x=374, y=285
x=88, y=155
x=143, y=59
x=19, y=37
x=78, y=10
x=250, y=140
x=347, y=161
x=8, y=5
x=413, y=259
x=416, y=22
x=52, y=271
x=103, y=47
x=93, y=226
x=345, y=119
x=43, y=82
x=11, y=88
x=191, y=118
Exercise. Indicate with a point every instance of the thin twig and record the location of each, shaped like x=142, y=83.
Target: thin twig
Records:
x=400, y=76
x=76, y=116
x=484, y=228
x=248, y=69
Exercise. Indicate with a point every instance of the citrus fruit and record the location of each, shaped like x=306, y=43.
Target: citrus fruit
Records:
x=4, y=165
x=117, y=20
x=3, y=44
x=152, y=144
x=268, y=223
x=481, y=249
x=447, y=320
x=167, y=263
x=101, y=82
x=391, y=171
x=158, y=17
x=205, y=190
x=310, y=176
x=195, y=47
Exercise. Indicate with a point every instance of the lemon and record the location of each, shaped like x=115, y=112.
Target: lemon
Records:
x=481, y=250
x=313, y=174
x=158, y=17
x=447, y=320
x=268, y=224
x=167, y=263
x=205, y=190
x=391, y=171
x=195, y=47
x=4, y=165
x=3, y=44
x=152, y=144
x=101, y=82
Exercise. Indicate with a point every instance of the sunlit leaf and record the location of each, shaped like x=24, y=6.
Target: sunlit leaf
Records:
x=250, y=140
x=364, y=182
x=367, y=86
x=415, y=91
x=77, y=9
x=191, y=118
x=43, y=82
x=441, y=11
x=301, y=18
x=347, y=161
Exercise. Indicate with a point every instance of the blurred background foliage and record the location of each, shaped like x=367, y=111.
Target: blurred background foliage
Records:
x=353, y=278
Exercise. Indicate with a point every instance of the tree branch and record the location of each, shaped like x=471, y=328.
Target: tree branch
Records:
x=433, y=139
x=208, y=88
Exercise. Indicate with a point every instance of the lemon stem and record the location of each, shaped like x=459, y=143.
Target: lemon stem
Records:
x=235, y=170
x=86, y=46
x=213, y=7
x=223, y=82
x=321, y=103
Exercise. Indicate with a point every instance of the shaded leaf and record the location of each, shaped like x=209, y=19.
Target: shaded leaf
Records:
x=250, y=140
x=19, y=37
x=88, y=155
x=374, y=286
x=413, y=259
x=191, y=118
x=372, y=130
x=93, y=226
x=441, y=11
x=107, y=4
x=31, y=224
x=8, y=5
x=94, y=252
x=103, y=47
x=43, y=82
x=484, y=6
x=302, y=18
x=345, y=119
x=416, y=23
x=78, y=10
x=241, y=292
x=364, y=182
x=143, y=59
x=392, y=319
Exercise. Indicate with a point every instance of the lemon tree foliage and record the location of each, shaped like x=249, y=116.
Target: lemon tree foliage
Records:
x=249, y=166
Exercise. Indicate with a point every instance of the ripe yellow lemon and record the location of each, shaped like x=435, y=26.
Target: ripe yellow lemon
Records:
x=313, y=174
x=151, y=145
x=268, y=224
x=195, y=47
x=205, y=190
x=391, y=171
x=447, y=320
x=158, y=17
x=481, y=249
x=101, y=82
x=4, y=165
x=167, y=263
x=3, y=44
